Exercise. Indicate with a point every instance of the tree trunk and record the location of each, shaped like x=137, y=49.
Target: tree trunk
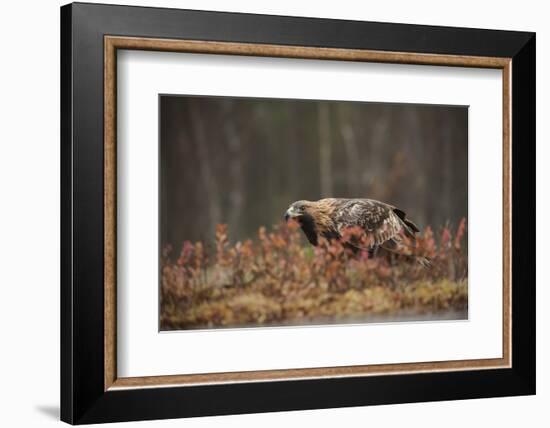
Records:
x=325, y=152
x=206, y=171
x=234, y=143
x=353, y=170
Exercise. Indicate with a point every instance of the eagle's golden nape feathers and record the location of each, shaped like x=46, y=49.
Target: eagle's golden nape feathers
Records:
x=382, y=225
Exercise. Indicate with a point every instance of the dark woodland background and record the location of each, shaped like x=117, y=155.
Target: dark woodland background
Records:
x=242, y=161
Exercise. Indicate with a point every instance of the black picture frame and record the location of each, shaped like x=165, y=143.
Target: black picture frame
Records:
x=83, y=398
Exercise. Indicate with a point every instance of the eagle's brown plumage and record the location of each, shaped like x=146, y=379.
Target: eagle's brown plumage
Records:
x=383, y=225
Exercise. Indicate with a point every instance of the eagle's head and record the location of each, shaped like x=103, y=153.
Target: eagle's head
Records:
x=313, y=217
x=298, y=211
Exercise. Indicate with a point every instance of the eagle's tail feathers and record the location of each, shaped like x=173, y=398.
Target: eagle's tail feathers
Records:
x=408, y=225
x=411, y=225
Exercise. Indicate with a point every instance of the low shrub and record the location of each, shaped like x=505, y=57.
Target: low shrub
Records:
x=278, y=279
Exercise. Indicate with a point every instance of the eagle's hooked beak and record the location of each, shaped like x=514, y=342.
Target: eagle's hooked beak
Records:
x=291, y=213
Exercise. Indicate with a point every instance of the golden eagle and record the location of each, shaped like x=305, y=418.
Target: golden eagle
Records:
x=383, y=226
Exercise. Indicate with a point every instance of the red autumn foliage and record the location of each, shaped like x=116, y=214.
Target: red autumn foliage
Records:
x=279, y=279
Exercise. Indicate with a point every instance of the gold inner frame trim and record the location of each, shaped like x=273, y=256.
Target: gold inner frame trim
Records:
x=113, y=43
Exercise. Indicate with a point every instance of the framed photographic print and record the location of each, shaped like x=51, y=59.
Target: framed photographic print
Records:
x=265, y=213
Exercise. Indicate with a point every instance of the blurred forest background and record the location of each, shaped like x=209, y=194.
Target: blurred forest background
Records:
x=242, y=161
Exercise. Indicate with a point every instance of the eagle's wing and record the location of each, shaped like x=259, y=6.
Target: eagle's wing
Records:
x=378, y=220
